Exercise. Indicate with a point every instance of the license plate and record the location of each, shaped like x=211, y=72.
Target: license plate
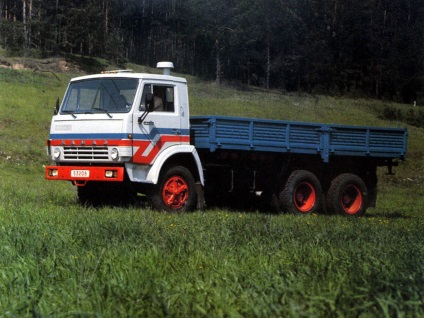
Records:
x=80, y=173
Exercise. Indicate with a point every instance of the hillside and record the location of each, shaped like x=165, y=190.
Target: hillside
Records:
x=29, y=88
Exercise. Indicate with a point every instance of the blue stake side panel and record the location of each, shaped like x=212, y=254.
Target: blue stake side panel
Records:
x=233, y=133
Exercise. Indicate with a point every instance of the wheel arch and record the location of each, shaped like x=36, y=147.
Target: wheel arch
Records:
x=184, y=155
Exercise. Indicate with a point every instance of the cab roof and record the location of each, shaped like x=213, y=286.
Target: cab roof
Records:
x=129, y=74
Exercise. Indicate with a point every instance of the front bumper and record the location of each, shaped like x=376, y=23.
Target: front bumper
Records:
x=79, y=175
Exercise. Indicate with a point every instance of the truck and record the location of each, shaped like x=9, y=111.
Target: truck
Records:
x=123, y=136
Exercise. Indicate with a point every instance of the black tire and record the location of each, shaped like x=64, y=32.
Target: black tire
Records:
x=347, y=195
x=302, y=194
x=105, y=193
x=90, y=194
x=175, y=191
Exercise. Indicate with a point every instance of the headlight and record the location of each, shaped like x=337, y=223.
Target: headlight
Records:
x=56, y=153
x=114, y=153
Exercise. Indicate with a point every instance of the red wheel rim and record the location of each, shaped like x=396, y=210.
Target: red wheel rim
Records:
x=352, y=199
x=175, y=192
x=305, y=197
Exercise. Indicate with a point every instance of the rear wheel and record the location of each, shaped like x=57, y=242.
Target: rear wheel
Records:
x=347, y=195
x=175, y=191
x=302, y=193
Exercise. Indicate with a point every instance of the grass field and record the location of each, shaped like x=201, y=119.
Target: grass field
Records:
x=59, y=259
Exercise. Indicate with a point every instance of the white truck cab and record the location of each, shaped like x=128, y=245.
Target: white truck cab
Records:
x=104, y=132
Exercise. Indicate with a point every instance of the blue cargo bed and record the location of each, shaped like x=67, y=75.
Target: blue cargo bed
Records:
x=326, y=140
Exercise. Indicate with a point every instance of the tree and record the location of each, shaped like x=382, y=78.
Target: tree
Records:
x=372, y=48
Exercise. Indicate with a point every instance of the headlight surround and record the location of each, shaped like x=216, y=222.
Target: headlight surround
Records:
x=57, y=152
x=114, y=153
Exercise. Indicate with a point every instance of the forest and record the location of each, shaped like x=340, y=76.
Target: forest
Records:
x=364, y=48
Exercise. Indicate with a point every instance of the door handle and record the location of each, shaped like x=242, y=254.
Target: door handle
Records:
x=148, y=123
x=176, y=131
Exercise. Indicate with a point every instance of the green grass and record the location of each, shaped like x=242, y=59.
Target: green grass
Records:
x=59, y=259
x=27, y=100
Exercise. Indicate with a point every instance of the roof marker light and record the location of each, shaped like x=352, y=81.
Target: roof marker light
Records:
x=116, y=71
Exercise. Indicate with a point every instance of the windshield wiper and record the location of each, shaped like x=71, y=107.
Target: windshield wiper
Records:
x=70, y=112
x=103, y=110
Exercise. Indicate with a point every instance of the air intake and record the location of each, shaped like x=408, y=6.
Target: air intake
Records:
x=166, y=66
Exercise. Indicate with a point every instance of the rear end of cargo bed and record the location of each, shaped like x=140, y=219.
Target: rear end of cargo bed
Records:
x=326, y=140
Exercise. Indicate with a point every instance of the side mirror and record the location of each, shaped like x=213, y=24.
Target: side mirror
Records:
x=149, y=101
x=56, y=109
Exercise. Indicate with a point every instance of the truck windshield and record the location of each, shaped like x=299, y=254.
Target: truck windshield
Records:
x=104, y=95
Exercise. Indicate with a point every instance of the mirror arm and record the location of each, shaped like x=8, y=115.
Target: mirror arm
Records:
x=149, y=106
x=142, y=117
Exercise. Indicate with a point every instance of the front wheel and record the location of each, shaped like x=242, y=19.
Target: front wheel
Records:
x=90, y=194
x=302, y=193
x=175, y=191
x=106, y=193
x=347, y=195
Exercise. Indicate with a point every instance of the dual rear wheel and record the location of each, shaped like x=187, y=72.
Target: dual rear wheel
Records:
x=303, y=194
x=347, y=195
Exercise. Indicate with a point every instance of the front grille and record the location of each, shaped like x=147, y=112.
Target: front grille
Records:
x=86, y=153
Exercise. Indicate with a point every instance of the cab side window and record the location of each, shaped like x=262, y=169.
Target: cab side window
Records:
x=163, y=97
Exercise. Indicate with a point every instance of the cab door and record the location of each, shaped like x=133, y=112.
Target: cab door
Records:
x=157, y=130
